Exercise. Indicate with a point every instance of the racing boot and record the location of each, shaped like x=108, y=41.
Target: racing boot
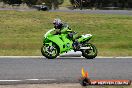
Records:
x=76, y=45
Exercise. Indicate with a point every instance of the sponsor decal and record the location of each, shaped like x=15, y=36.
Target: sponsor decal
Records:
x=85, y=80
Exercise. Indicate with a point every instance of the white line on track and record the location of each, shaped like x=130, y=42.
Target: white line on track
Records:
x=40, y=79
x=10, y=80
x=27, y=80
x=1, y=57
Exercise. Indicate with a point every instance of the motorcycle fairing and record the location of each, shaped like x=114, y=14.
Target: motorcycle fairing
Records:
x=61, y=40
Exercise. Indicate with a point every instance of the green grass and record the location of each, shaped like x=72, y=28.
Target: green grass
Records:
x=21, y=33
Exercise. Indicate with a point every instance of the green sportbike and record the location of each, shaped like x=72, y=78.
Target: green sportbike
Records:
x=54, y=45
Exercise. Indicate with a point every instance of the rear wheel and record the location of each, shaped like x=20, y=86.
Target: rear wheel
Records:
x=91, y=52
x=50, y=52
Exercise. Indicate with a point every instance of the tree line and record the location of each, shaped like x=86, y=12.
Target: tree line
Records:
x=102, y=3
x=50, y=3
x=75, y=3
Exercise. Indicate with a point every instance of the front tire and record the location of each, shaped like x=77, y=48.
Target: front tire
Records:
x=90, y=53
x=47, y=54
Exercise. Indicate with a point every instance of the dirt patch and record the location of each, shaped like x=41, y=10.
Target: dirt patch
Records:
x=73, y=85
x=42, y=86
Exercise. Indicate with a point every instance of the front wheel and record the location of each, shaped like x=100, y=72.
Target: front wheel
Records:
x=91, y=52
x=50, y=52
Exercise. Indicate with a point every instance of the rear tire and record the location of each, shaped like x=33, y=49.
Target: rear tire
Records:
x=47, y=55
x=86, y=53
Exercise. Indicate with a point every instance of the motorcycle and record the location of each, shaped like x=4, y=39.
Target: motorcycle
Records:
x=54, y=45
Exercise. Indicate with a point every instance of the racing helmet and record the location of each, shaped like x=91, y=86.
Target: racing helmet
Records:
x=57, y=23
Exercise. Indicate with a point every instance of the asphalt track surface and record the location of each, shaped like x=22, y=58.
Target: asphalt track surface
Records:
x=118, y=12
x=85, y=11
x=62, y=70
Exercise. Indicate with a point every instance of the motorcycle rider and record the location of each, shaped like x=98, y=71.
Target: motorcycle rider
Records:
x=60, y=28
